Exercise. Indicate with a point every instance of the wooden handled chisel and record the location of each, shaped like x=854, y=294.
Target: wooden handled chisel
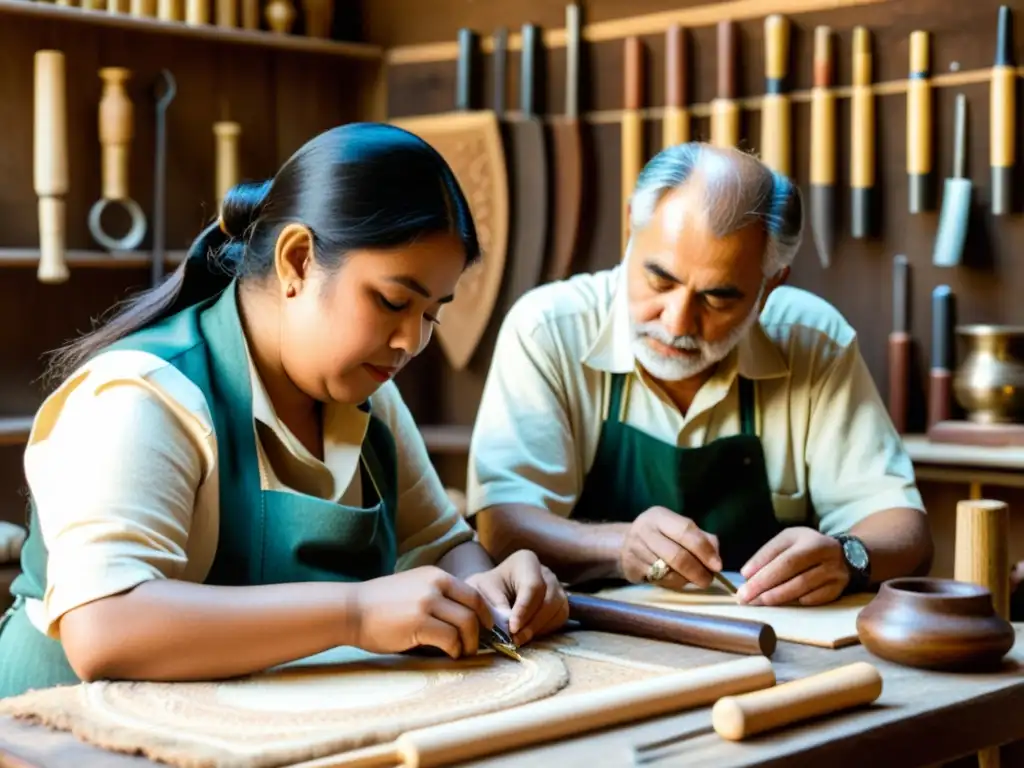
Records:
x=823, y=148
x=632, y=130
x=919, y=125
x=899, y=344
x=862, y=136
x=941, y=374
x=725, y=112
x=775, y=109
x=676, y=125
x=1002, y=117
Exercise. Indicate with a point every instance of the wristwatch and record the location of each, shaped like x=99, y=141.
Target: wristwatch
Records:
x=858, y=562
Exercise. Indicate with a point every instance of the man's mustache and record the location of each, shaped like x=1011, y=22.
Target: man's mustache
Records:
x=656, y=332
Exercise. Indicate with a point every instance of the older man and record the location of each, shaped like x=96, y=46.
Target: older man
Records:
x=685, y=413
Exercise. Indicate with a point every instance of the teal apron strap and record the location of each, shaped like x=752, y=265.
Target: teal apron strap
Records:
x=748, y=407
x=615, y=397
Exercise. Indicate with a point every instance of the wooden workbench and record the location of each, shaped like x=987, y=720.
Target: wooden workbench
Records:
x=921, y=719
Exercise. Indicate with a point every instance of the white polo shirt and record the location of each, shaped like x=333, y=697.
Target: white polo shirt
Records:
x=123, y=466
x=830, y=448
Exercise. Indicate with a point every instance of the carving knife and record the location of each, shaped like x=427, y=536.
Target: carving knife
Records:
x=524, y=136
x=498, y=640
x=1002, y=121
x=676, y=125
x=919, y=125
x=823, y=148
x=956, y=197
x=899, y=344
x=567, y=158
x=939, y=385
x=862, y=136
x=775, y=110
x=725, y=112
x=632, y=130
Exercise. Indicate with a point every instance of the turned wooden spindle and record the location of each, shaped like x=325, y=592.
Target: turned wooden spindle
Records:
x=250, y=14
x=115, y=129
x=50, y=163
x=982, y=552
x=226, y=133
x=170, y=10
x=227, y=13
x=142, y=8
x=197, y=12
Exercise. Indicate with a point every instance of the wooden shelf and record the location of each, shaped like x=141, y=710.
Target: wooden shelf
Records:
x=923, y=451
x=26, y=257
x=447, y=438
x=48, y=10
x=14, y=429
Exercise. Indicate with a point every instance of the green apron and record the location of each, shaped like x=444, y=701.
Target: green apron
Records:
x=722, y=486
x=265, y=537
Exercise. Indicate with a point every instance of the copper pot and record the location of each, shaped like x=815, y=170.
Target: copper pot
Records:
x=989, y=383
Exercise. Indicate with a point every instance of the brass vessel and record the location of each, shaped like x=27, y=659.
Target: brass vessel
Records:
x=989, y=383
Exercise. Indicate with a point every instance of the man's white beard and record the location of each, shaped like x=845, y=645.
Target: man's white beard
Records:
x=673, y=368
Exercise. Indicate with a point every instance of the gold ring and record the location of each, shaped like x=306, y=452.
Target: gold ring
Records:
x=659, y=570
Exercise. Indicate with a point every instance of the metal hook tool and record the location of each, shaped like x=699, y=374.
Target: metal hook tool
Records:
x=164, y=97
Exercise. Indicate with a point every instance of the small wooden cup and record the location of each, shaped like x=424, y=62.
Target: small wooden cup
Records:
x=939, y=624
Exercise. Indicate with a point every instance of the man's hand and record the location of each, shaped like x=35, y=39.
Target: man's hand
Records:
x=526, y=594
x=798, y=565
x=691, y=553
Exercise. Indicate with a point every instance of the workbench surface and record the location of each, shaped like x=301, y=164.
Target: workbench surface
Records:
x=921, y=719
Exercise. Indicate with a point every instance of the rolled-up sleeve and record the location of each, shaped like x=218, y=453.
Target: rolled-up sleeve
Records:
x=856, y=461
x=114, y=481
x=522, y=450
x=428, y=524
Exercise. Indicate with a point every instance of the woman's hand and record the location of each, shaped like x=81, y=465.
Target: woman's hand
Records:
x=421, y=607
x=525, y=593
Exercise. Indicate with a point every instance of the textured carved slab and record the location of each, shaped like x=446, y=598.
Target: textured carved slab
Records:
x=471, y=144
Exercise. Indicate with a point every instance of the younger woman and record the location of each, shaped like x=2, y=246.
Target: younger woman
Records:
x=226, y=477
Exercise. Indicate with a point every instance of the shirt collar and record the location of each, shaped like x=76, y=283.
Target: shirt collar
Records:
x=755, y=357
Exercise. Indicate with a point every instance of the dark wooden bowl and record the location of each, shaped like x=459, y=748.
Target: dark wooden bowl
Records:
x=935, y=624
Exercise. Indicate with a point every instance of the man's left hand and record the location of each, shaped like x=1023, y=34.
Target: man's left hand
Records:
x=799, y=565
x=525, y=593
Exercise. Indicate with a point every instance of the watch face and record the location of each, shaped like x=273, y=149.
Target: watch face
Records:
x=856, y=554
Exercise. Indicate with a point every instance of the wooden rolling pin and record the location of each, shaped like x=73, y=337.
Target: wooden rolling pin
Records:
x=676, y=127
x=775, y=110
x=715, y=632
x=559, y=717
x=50, y=163
x=632, y=128
x=226, y=133
x=739, y=717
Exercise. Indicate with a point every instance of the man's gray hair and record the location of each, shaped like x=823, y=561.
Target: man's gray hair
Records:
x=738, y=190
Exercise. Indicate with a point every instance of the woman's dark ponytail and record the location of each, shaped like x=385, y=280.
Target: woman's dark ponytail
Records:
x=357, y=186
